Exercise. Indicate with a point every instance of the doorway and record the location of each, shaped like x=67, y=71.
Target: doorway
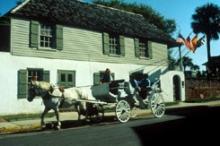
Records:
x=177, y=88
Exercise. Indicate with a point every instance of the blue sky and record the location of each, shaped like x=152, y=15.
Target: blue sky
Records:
x=179, y=10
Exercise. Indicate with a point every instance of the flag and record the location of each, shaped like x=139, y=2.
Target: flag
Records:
x=188, y=43
x=194, y=41
x=180, y=39
x=199, y=43
x=193, y=44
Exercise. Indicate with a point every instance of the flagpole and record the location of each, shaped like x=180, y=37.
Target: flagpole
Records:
x=181, y=60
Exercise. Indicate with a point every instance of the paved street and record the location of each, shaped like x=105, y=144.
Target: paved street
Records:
x=111, y=134
x=195, y=124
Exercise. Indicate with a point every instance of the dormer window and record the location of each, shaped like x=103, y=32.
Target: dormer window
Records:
x=47, y=36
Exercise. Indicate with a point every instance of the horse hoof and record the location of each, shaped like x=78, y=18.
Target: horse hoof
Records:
x=43, y=127
x=58, y=127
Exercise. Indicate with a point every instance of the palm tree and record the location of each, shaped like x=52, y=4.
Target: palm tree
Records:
x=187, y=62
x=206, y=20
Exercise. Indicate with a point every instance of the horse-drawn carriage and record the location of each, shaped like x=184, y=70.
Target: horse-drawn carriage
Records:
x=124, y=98
x=118, y=93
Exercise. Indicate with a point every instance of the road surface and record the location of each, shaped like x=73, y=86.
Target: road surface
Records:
x=187, y=125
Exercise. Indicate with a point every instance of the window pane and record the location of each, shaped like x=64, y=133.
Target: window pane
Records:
x=63, y=78
x=38, y=73
x=114, y=44
x=70, y=77
x=46, y=35
x=143, y=48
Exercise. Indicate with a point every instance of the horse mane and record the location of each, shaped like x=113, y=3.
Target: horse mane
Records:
x=42, y=84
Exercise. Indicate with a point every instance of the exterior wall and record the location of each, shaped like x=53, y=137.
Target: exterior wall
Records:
x=80, y=44
x=10, y=65
x=167, y=85
x=82, y=52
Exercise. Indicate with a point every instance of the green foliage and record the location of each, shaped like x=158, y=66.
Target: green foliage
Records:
x=172, y=61
x=153, y=17
x=206, y=20
x=187, y=62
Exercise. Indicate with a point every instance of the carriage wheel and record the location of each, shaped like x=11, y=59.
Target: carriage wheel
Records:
x=157, y=105
x=123, y=111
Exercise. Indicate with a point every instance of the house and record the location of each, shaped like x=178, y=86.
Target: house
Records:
x=71, y=43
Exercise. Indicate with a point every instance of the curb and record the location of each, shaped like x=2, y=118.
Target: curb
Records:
x=19, y=128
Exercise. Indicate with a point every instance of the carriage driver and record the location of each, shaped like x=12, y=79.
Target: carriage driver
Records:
x=142, y=85
x=107, y=77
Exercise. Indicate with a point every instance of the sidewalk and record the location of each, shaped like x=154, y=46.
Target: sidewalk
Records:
x=34, y=125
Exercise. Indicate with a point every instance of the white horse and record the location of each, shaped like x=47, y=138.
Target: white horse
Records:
x=54, y=97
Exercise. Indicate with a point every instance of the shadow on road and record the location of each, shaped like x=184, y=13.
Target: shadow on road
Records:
x=80, y=123
x=201, y=124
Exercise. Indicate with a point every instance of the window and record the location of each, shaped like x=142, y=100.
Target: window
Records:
x=38, y=73
x=114, y=45
x=24, y=78
x=66, y=78
x=46, y=36
x=143, y=49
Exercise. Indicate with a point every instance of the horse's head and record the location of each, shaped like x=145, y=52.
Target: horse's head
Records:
x=33, y=91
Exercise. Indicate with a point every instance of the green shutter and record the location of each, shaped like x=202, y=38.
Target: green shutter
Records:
x=46, y=76
x=113, y=76
x=150, y=50
x=59, y=37
x=106, y=43
x=136, y=47
x=74, y=79
x=34, y=32
x=22, y=84
x=122, y=45
x=96, y=78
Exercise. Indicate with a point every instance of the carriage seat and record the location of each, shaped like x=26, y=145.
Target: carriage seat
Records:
x=106, y=92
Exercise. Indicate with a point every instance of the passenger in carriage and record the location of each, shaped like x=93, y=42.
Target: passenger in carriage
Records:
x=107, y=77
x=145, y=86
x=142, y=85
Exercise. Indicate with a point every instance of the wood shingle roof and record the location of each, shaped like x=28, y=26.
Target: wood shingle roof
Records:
x=93, y=17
